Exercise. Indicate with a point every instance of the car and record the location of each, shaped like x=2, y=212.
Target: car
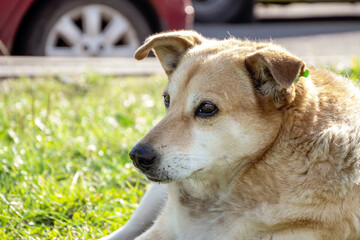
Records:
x=87, y=27
x=238, y=10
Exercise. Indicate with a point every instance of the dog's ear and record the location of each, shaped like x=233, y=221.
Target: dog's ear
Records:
x=169, y=47
x=273, y=71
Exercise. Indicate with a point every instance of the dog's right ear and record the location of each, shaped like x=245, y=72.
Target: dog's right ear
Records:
x=169, y=47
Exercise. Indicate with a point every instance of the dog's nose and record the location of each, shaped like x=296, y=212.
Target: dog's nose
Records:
x=143, y=156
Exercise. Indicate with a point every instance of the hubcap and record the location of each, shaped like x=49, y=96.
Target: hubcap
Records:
x=92, y=30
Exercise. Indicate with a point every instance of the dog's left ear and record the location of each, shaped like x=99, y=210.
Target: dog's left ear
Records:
x=273, y=71
x=169, y=47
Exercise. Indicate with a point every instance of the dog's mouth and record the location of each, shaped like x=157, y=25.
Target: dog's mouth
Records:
x=165, y=178
x=159, y=176
x=158, y=180
x=148, y=175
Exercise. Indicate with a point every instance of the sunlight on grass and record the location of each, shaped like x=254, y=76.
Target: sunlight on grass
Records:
x=354, y=71
x=65, y=171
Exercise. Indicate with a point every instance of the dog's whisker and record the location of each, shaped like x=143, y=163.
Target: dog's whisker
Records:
x=225, y=158
x=203, y=183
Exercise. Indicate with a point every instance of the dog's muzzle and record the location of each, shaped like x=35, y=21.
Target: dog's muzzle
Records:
x=143, y=156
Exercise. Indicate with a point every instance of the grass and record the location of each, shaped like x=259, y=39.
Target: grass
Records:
x=65, y=172
x=353, y=72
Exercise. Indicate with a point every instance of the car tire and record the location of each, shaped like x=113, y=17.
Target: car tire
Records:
x=35, y=38
x=223, y=10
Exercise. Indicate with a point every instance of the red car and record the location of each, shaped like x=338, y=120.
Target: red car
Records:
x=87, y=27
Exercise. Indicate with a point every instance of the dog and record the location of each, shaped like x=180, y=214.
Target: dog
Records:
x=255, y=143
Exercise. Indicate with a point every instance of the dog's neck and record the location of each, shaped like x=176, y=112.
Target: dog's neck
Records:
x=206, y=185
x=200, y=196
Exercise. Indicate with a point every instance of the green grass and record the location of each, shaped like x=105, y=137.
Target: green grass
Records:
x=353, y=72
x=65, y=171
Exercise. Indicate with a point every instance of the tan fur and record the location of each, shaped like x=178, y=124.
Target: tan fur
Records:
x=278, y=161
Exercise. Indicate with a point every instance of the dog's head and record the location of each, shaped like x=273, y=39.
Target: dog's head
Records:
x=224, y=103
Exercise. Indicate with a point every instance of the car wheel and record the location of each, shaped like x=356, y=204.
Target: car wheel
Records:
x=223, y=10
x=86, y=28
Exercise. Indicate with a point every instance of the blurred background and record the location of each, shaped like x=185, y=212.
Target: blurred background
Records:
x=115, y=28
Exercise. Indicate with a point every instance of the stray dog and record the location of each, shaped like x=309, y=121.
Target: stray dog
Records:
x=251, y=146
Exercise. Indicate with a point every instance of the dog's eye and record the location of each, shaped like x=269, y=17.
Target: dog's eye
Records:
x=166, y=100
x=206, y=109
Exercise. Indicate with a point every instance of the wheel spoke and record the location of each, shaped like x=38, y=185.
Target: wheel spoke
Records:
x=92, y=20
x=68, y=30
x=115, y=30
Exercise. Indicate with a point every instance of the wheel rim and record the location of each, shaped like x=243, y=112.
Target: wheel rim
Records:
x=92, y=30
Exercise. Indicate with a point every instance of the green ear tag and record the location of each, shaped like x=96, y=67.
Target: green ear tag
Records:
x=305, y=74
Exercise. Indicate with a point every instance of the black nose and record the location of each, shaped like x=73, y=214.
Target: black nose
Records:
x=143, y=156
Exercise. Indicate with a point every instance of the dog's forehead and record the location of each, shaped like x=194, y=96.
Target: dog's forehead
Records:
x=211, y=66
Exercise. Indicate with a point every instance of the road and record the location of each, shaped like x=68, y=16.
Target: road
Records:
x=319, y=33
